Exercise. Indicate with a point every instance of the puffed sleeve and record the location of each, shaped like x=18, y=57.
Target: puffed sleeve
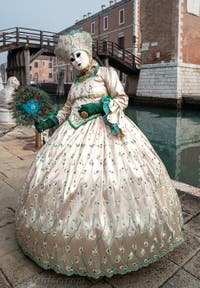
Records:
x=64, y=113
x=116, y=102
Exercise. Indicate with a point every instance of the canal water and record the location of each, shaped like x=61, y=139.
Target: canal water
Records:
x=174, y=135
x=176, y=138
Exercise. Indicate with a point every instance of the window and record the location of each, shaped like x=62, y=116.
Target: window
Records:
x=193, y=7
x=35, y=64
x=35, y=79
x=93, y=28
x=105, y=23
x=50, y=75
x=121, y=16
x=71, y=75
x=121, y=42
x=50, y=65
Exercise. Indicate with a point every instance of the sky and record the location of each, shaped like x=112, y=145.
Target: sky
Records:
x=48, y=15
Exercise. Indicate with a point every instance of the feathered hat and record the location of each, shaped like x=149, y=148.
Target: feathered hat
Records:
x=76, y=40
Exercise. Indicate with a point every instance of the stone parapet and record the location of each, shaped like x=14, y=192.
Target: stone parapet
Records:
x=159, y=81
x=190, y=80
x=168, y=83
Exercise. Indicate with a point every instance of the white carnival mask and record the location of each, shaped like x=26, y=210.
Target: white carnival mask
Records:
x=80, y=60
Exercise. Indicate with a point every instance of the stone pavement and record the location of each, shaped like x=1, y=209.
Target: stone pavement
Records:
x=180, y=269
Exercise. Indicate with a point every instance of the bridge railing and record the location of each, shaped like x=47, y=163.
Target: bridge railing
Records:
x=20, y=35
x=111, y=49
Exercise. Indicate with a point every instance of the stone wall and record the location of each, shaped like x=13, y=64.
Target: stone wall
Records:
x=159, y=81
x=190, y=80
x=169, y=82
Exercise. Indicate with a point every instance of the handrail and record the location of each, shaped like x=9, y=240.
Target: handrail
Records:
x=19, y=36
x=111, y=49
x=25, y=35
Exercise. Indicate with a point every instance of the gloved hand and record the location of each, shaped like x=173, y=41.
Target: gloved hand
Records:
x=49, y=123
x=90, y=109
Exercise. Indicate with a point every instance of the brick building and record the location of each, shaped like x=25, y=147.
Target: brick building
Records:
x=170, y=50
x=113, y=23
x=166, y=34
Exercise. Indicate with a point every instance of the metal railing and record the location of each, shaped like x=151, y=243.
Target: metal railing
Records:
x=111, y=49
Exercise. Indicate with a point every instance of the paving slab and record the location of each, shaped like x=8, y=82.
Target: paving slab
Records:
x=3, y=281
x=17, y=153
x=8, y=201
x=5, y=154
x=182, y=279
x=15, y=177
x=6, y=127
x=17, y=267
x=186, y=250
x=186, y=217
x=193, y=266
x=190, y=203
x=183, y=187
x=7, y=215
x=193, y=225
x=101, y=285
x=52, y=280
x=8, y=241
x=152, y=276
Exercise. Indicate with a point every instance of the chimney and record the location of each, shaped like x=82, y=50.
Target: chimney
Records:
x=111, y=2
x=88, y=14
x=103, y=6
x=84, y=16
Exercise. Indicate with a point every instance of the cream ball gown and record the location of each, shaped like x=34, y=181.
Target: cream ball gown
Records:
x=93, y=203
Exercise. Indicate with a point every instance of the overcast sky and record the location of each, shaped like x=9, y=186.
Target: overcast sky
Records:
x=49, y=15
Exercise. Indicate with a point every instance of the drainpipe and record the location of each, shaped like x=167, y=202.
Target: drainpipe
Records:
x=135, y=26
x=179, y=58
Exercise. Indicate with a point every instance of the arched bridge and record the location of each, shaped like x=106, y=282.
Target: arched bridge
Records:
x=24, y=45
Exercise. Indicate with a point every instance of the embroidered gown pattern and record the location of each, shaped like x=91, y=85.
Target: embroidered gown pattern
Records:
x=95, y=204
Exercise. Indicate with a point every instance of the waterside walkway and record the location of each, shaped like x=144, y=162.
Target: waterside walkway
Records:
x=180, y=269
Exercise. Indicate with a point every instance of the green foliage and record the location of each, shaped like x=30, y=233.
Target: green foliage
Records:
x=31, y=104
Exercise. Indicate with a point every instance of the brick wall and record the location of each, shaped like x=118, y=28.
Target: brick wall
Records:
x=159, y=29
x=190, y=40
x=114, y=28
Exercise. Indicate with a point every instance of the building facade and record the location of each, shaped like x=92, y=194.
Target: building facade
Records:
x=42, y=70
x=166, y=34
x=170, y=51
x=113, y=23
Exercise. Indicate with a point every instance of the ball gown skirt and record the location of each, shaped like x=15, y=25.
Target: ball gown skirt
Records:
x=97, y=205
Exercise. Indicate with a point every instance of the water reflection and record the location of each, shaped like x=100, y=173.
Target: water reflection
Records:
x=176, y=138
x=174, y=135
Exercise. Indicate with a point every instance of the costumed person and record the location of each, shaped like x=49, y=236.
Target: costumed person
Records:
x=97, y=200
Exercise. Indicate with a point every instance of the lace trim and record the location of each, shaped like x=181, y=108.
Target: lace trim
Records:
x=115, y=130
x=114, y=271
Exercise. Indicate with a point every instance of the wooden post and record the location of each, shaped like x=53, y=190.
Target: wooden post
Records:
x=38, y=142
x=17, y=35
x=27, y=66
x=4, y=39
